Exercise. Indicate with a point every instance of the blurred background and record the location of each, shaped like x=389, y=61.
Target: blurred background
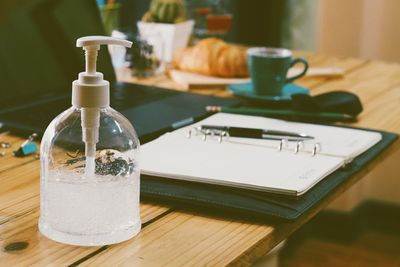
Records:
x=357, y=28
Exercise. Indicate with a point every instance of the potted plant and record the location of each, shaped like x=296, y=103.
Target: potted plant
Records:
x=167, y=19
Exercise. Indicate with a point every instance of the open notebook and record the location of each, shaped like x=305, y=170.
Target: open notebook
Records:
x=254, y=163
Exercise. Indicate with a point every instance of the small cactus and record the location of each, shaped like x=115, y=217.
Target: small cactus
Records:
x=165, y=11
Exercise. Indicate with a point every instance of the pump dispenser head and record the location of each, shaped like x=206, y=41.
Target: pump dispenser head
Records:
x=91, y=44
x=91, y=92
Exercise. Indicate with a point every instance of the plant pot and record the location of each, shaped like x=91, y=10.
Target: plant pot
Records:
x=172, y=36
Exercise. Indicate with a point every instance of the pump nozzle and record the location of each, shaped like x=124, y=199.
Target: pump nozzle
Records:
x=91, y=44
x=90, y=93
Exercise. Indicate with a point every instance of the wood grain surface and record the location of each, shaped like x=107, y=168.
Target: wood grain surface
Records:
x=176, y=238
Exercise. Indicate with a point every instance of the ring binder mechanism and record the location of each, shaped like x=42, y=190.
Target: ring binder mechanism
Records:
x=208, y=132
x=283, y=144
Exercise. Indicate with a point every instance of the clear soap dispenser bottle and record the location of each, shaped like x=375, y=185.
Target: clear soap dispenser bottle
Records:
x=90, y=175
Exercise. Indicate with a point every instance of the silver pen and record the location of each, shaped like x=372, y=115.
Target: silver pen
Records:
x=256, y=133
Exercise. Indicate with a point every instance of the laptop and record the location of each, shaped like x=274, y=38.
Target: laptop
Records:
x=39, y=61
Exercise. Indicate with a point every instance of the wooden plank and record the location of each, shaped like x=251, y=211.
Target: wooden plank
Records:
x=9, y=160
x=19, y=212
x=348, y=65
x=380, y=113
x=368, y=81
x=166, y=242
x=19, y=191
x=37, y=250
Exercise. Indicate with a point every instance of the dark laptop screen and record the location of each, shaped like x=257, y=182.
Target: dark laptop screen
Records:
x=38, y=56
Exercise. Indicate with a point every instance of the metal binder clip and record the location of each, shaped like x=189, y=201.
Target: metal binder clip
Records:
x=299, y=145
x=316, y=149
x=28, y=147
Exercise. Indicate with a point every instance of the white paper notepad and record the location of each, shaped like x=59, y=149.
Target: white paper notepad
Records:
x=254, y=163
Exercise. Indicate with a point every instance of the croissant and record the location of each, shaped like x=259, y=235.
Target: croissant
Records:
x=213, y=57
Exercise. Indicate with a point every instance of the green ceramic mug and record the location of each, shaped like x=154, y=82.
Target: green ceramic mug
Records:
x=268, y=69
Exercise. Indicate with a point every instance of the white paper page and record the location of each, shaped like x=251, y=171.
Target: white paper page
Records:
x=247, y=166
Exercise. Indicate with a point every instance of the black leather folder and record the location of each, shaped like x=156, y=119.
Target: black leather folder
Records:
x=252, y=203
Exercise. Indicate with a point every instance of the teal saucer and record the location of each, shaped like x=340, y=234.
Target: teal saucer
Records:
x=244, y=90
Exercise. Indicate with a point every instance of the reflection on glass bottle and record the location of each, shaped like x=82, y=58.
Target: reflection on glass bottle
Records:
x=143, y=59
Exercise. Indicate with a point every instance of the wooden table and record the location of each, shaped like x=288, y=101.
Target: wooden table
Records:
x=177, y=238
